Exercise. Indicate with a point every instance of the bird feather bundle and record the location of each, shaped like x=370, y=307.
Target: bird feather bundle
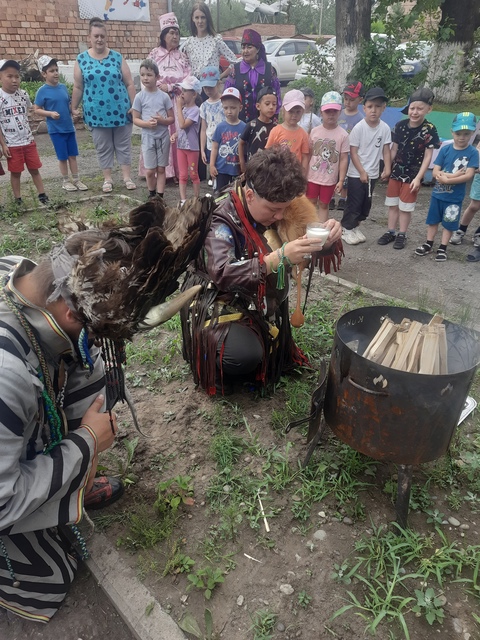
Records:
x=115, y=282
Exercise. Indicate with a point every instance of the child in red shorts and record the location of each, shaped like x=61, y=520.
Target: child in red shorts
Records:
x=20, y=148
x=414, y=140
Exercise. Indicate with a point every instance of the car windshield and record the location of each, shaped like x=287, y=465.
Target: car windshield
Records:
x=270, y=46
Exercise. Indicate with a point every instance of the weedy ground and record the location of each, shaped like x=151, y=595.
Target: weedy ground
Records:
x=333, y=563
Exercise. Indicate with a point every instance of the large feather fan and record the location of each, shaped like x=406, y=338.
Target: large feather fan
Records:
x=117, y=281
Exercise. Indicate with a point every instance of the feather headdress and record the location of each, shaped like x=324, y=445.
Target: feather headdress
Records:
x=113, y=277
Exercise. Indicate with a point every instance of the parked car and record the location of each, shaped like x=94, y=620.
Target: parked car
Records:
x=419, y=61
x=329, y=51
x=234, y=44
x=282, y=54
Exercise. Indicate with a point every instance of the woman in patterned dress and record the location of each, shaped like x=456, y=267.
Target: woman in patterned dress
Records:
x=173, y=67
x=205, y=47
x=103, y=82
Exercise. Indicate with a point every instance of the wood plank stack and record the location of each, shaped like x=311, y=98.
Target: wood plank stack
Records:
x=410, y=346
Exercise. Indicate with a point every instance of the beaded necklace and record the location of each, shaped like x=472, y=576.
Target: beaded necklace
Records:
x=53, y=434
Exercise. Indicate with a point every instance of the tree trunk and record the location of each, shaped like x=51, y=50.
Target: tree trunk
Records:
x=353, y=18
x=446, y=68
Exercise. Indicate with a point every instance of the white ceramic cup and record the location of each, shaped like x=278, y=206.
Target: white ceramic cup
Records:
x=317, y=231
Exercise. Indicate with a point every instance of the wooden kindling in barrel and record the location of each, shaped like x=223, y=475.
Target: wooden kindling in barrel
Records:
x=410, y=346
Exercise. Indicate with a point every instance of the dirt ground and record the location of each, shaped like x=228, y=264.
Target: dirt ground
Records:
x=263, y=572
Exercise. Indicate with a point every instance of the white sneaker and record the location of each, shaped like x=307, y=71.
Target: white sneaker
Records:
x=476, y=240
x=361, y=237
x=349, y=236
x=457, y=237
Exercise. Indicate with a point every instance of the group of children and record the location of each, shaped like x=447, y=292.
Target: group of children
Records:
x=341, y=152
x=16, y=138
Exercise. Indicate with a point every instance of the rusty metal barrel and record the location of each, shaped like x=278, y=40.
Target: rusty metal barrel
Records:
x=390, y=415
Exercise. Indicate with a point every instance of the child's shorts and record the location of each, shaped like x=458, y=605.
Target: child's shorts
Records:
x=475, y=189
x=399, y=195
x=321, y=191
x=155, y=152
x=21, y=156
x=447, y=213
x=65, y=145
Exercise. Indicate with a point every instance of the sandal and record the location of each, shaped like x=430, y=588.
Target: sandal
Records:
x=105, y=491
x=423, y=249
x=107, y=186
x=474, y=256
x=130, y=185
x=69, y=186
x=441, y=255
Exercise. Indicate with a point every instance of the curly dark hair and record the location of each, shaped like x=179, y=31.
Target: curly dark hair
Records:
x=275, y=174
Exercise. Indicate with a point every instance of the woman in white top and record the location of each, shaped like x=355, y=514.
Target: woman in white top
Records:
x=204, y=47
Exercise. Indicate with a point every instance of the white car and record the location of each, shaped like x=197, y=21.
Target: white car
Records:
x=282, y=54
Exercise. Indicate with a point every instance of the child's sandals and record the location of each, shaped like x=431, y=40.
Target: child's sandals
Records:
x=130, y=185
x=107, y=186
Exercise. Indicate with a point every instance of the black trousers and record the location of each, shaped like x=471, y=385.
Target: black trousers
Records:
x=359, y=202
x=242, y=351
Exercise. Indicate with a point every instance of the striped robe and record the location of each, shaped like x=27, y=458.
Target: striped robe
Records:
x=38, y=492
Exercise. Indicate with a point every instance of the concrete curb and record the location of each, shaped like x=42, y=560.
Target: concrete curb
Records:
x=128, y=595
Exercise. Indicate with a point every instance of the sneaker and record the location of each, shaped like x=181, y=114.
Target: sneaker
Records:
x=341, y=204
x=457, y=237
x=349, y=236
x=423, y=249
x=476, y=240
x=386, y=238
x=400, y=241
x=18, y=202
x=80, y=185
x=69, y=186
x=332, y=205
x=43, y=198
x=361, y=237
x=441, y=255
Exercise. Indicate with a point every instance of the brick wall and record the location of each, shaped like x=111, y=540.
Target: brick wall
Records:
x=265, y=30
x=55, y=28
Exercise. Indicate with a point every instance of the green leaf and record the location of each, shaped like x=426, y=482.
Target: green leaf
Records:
x=190, y=625
x=208, y=624
x=208, y=594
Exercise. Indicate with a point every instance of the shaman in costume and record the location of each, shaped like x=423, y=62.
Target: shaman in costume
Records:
x=238, y=325
x=57, y=320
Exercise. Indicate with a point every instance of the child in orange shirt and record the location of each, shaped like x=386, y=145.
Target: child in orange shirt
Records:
x=290, y=134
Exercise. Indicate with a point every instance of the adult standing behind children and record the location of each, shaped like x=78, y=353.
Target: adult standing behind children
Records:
x=369, y=143
x=173, y=67
x=329, y=155
x=454, y=166
x=103, y=82
x=252, y=74
x=204, y=47
x=52, y=102
x=290, y=134
x=18, y=144
x=188, y=149
x=255, y=134
x=153, y=113
x=224, y=159
x=349, y=117
x=414, y=140
x=211, y=111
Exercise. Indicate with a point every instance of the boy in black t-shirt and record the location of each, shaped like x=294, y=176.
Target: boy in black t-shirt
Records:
x=414, y=140
x=256, y=132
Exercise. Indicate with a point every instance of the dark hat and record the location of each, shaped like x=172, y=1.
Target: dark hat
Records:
x=354, y=89
x=4, y=64
x=377, y=93
x=308, y=92
x=266, y=91
x=424, y=94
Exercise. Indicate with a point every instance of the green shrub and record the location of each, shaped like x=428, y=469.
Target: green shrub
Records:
x=31, y=87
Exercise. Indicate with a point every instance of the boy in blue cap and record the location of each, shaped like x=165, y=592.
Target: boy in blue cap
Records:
x=454, y=166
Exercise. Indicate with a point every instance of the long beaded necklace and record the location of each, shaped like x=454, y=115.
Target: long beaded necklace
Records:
x=54, y=434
